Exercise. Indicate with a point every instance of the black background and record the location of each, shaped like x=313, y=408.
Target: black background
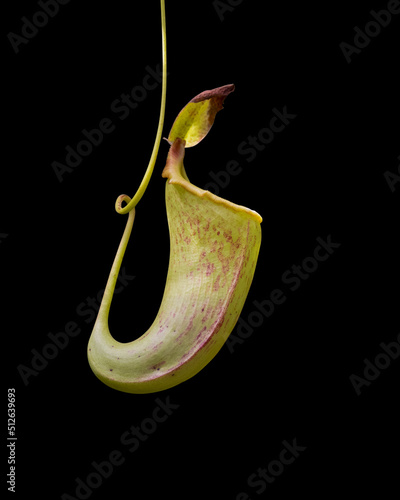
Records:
x=323, y=175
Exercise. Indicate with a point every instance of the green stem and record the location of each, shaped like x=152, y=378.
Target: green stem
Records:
x=131, y=203
x=104, y=310
x=145, y=181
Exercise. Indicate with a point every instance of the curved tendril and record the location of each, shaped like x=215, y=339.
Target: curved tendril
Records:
x=145, y=181
x=112, y=279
